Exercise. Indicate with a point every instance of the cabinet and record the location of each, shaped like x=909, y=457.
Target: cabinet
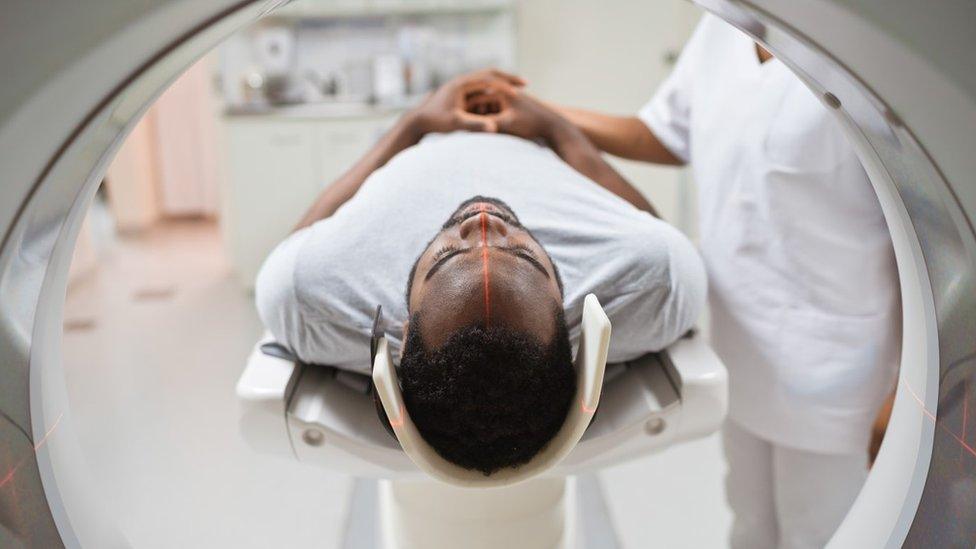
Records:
x=340, y=143
x=276, y=167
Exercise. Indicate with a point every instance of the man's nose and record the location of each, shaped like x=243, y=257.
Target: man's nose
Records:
x=483, y=226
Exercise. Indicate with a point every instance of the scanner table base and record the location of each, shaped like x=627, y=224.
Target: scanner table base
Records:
x=326, y=418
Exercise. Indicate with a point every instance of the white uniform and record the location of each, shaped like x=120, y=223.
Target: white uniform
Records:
x=804, y=290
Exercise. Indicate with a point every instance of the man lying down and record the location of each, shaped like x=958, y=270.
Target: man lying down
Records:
x=497, y=239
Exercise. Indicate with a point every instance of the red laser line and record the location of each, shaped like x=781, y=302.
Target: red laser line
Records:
x=484, y=263
x=13, y=470
x=965, y=409
x=49, y=431
x=10, y=474
x=931, y=416
x=400, y=422
x=586, y=408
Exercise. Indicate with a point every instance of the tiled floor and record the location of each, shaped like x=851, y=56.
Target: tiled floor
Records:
x=154, y=342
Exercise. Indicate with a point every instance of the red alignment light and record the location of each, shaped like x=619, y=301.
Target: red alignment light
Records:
x=931, y=416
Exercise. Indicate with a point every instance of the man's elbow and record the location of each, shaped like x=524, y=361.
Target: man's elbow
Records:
x=689, y=288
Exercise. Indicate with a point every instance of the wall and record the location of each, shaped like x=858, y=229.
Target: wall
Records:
x=169, y=166
x=608, y=56
x=186, y=142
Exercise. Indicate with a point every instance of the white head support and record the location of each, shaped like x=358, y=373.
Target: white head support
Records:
x=591, y=361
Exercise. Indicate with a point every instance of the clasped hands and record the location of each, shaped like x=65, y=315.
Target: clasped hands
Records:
x=487, y=101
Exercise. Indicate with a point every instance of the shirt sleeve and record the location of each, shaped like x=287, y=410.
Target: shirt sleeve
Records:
x=275, y=294
x=668, y=113
x=655, y=316
x=687, y=289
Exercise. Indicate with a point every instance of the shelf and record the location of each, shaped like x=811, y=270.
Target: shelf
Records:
x=322, y=110
x=324, y=9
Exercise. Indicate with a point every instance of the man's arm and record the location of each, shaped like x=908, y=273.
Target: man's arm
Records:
x=452, y=107
x=624, y=136
x=405, y=133
x=529, y=118
x=579, y=152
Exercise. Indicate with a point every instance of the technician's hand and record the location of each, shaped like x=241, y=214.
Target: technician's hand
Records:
x=879, y=428
x=527, y=117
x=468, y=102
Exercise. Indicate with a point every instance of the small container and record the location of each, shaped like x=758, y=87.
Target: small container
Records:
x=389, y=84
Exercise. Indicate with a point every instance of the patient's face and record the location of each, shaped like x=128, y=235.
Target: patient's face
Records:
x=483, y=267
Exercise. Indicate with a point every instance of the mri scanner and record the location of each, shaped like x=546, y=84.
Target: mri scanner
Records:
x=899, y=74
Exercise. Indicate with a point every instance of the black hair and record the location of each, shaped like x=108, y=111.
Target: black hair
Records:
x=490, y=397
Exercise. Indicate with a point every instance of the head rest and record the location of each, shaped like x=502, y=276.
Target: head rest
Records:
x=591, y=360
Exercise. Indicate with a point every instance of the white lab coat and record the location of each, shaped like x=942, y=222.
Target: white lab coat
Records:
x=802, y=280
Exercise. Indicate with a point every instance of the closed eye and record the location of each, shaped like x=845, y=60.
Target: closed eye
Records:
x=443, y=255
x=523, y=252
x=443, y=250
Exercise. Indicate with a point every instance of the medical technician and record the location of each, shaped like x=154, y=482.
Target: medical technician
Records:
x=803, y=287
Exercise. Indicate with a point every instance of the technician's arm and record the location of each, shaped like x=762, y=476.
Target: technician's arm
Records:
x=576, y=150
x=529, y=118
x=623, y=136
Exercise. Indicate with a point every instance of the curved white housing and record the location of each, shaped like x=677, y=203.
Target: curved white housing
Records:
x=898, y=75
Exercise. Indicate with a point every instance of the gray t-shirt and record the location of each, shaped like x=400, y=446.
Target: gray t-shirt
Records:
x=318, y=290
